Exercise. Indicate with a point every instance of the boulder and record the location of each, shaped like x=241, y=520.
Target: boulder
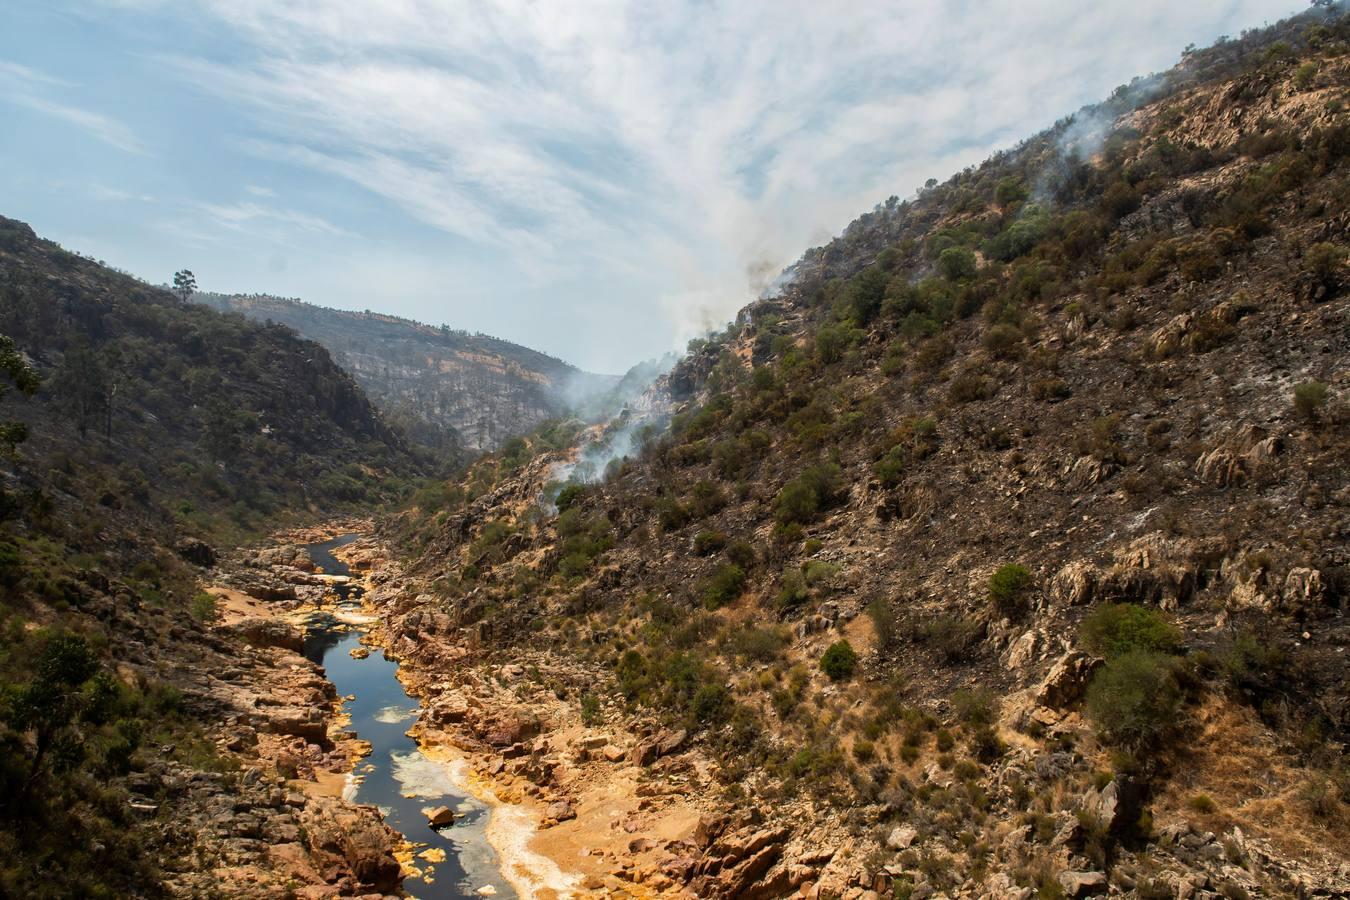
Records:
x=648, y=751
x=1066, y=681
x=1117, y=806
x=259, y=632
x=352, y=839
x=1082, y=884
x=560, y=811
x=195, y=551
x=901, y=838
x=440, y=816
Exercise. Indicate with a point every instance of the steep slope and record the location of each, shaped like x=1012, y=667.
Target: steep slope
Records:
x=1004, y=552
x=480, y=389
x=141, y=427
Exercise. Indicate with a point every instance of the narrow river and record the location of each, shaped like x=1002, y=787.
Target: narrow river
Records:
x=397, y=776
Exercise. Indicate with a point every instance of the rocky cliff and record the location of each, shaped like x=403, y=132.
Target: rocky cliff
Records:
x=477, y=389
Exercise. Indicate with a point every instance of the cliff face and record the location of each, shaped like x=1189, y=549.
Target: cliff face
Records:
x=436, y=382
x=992, y=558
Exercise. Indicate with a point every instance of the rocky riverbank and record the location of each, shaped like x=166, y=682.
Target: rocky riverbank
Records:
x=596, y=804
x=270, y=818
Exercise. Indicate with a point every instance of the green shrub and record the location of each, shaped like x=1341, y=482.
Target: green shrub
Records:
x=1002, y=340
x=884, y=623
x=950, y=636
x=1010, y=190
x=204, y=608
x=1135, y=699
x=758, y=644
x=985, y=744
x=1309, y=398
x=1203, y=804
x=804, y=497
x=957, y=264
x=725, y=585
x=832, y=341
x=974, y=706
x=865, y=294
x=706, y=498
x=742, y=554
x=839, y=661
x=793, y=590
x=1115, y=629
x=590, y=709
x=671, y=514
x=569, y=495
x=1009, y=587
x=1324, y=262
x=711, y=704
x=890, y=469
x=11, y=564
x=706, y=542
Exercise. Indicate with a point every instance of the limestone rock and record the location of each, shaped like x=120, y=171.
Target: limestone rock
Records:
x=1066, y=681
x=440, y=816
x=901, y=837
x=1082, y=884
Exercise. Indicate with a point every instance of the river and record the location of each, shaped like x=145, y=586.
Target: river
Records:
x=397, y=776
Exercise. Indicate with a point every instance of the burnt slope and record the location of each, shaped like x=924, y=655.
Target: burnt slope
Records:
x=1106, y=367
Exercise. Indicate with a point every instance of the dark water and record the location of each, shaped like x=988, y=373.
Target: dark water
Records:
x=381, y=713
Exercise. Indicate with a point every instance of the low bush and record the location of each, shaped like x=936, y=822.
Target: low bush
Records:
x=804, y=497
x=1135, y=700
x=1309, y=398
x=569, y=495
x=839, y=661
x=706, y=542
x=725, y=585
x=1009, y=587
x=1115, y=629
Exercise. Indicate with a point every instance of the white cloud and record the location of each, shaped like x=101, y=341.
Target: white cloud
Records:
x=23, y=86
x=119, y=195
x=239, y=216
x=687, y=150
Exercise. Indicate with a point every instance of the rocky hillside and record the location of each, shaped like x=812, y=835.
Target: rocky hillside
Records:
x=1003, y=554
x=134, y=733
x=443, y=386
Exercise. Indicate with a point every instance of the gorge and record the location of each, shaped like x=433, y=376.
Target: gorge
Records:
x=1001, y=550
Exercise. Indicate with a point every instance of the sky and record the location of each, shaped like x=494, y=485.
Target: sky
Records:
x=597, y=179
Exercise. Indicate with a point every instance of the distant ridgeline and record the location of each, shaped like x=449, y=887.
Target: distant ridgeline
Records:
x=442, y=386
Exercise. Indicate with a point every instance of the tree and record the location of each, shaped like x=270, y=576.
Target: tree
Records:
x=184, y=284
x=23, y=377
x=82, y=386
x=865, y=293
x=66, y=691
x=1135, y=699
x=957, y=263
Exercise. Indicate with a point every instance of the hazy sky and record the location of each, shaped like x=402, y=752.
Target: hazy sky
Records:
x=595, y=179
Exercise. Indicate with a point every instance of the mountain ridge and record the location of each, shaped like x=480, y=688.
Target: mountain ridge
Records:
x=480, y=389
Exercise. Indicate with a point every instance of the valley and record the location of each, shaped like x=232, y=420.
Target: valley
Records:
x=1001, y=550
